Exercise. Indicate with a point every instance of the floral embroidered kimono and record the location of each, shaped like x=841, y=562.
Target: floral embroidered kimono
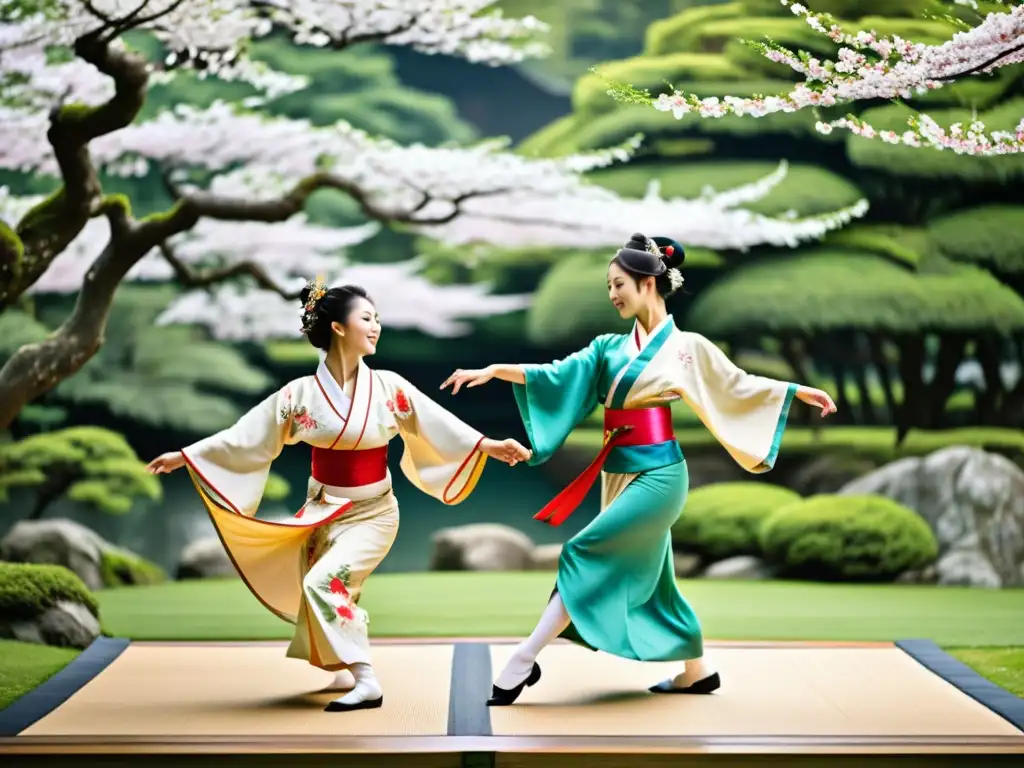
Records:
x=310, y=570
x=616, y=576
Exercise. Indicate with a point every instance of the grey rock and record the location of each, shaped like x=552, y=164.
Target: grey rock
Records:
x=481, y=547
x=205, y=558
x=973, y=501
x=67, y=623
x=740, y=567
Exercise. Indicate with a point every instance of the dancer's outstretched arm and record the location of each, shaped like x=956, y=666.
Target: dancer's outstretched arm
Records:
x=475, y=377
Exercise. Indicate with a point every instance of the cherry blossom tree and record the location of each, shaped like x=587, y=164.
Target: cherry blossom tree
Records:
x=870, y=66
x=72, y=92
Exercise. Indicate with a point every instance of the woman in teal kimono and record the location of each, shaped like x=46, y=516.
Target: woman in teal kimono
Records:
x=616, y=589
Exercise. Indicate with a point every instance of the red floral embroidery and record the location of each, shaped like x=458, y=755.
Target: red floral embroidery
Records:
x=400, y=406
x=402, y=402
x=305, y=420
x=344, y=612
x=337, y=587
x=686, y=359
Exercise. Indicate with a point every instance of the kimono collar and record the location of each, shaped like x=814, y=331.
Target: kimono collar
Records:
x=641, y=342
x=341, y=402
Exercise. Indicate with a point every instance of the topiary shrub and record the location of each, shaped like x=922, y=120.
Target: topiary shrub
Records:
x=724, y=520
x=847, y=538
x=27, y=590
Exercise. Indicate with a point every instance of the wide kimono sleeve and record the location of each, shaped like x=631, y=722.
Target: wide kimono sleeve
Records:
x=745, y=412
x=557, y=396
x=442, y=455
x=231, y=467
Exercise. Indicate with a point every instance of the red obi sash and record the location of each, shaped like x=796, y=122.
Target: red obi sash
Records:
x=639, y=426
x=349, y=469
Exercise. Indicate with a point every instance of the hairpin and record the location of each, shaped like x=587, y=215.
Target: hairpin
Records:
x=317, y=289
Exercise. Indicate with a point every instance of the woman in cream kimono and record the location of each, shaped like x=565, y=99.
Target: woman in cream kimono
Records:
x=310, y=570
x=616, y=589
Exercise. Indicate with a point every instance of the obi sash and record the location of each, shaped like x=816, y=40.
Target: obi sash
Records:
x=350, y=469
x=622, y=427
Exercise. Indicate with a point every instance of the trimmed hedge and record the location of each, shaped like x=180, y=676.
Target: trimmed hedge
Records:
x=989, y=235
x=846, y=538
x=724, y=520
x=26, y=590
x=819, y=290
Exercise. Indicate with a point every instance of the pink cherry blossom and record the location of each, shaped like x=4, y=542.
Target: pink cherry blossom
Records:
x=871, y=66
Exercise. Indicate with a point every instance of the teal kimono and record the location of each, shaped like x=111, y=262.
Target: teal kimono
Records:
x=616, y=577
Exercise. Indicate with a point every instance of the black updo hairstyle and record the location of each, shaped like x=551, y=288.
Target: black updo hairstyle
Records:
x=333, y=306
x=655, y=257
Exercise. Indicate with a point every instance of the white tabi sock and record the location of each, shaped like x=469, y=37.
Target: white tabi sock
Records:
x=366, y=688
x=696, y=669
x=343, y=681
x=552, y=622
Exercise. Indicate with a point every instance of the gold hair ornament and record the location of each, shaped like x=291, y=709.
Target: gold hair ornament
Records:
x=317, y=289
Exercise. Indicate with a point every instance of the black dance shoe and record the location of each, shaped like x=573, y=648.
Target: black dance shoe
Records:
x=337, y=706
x=708, y=684
x=502, y=698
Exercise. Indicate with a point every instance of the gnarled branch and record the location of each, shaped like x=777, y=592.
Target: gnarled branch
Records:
x=36, y=368
x=192, y=206
x=46, y=230
x=202, y=278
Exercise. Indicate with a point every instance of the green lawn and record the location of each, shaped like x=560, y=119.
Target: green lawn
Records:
x=23, y=666
x=981, y=627
x=482, y=604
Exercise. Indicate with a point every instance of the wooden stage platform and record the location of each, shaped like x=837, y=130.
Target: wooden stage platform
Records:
x=792, y=704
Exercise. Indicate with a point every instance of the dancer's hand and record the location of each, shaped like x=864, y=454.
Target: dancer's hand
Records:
x=168, y=462
x=471, y=378
x=509, y=451
x=818, y=399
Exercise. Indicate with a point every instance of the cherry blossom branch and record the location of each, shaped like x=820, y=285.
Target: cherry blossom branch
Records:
x=188, y=277
x=195, y=205
x=870, y=67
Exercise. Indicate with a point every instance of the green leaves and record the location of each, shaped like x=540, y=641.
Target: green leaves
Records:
x=92, y=466
x=823, y=290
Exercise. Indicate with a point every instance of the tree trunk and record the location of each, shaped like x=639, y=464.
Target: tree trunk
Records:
x=842, y=399
x=1011, y=412
x=862, y=357
x=987, y=402
x=943, y=383
x=52, y=489
x=793, y=352
x=915, y=394
x=876, y=349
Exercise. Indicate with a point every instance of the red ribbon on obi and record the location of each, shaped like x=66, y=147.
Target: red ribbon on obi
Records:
x=638, y=426
x=349, y=469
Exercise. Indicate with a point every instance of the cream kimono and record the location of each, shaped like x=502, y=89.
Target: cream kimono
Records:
x=309, y=570
x=616, y=577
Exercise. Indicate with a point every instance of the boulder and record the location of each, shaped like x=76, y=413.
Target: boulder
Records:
x=205, y=558
x=481, y=547
x=686, y=564
x=57, y=542
x=66, y=623
x=545, y=557
x=973, y=501
x=740, y=567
